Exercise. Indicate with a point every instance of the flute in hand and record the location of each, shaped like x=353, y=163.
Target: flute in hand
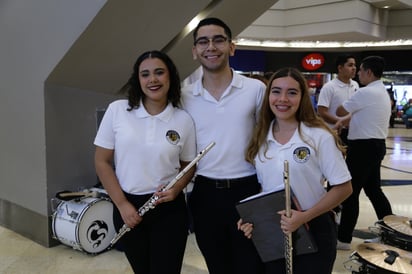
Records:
x=288, y=237
x=151, y=203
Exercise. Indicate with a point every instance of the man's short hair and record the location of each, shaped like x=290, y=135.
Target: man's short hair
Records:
x=213, y=21
x=375, y=63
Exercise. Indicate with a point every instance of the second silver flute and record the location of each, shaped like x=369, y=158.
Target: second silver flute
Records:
x=288, y=237
x=151, y=203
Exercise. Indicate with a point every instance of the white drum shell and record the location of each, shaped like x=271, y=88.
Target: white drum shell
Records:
x=85, y=224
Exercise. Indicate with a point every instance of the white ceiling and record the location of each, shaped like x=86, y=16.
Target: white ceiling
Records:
x=333, y=20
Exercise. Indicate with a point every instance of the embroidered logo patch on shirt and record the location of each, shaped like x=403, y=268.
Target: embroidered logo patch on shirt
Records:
x=172, y=137
x=301, y=154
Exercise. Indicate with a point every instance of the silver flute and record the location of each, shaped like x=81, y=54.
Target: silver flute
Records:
x=288, y=237
x=151, y=203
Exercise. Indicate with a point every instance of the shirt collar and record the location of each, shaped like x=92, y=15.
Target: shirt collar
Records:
x=164, y=116
x=342, y=84
x=237, y=82
x=376, y=82
x=294, y=139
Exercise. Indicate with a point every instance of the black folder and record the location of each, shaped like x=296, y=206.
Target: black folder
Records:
x=267, y=236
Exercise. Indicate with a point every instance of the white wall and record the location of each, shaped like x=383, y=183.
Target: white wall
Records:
x=60, y=60
x=34, y=37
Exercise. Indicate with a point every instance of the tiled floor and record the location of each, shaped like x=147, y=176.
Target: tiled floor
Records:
x=19, y=255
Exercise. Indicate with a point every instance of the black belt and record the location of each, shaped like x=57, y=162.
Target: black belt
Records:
x=225, y=183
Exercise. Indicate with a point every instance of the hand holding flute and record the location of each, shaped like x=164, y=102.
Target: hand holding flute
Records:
x=151, y=203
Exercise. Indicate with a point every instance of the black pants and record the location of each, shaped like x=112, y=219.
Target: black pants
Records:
x=226, y=250
x=323, y=229
x=364, y=160
x=344, y=136
x=156, y=245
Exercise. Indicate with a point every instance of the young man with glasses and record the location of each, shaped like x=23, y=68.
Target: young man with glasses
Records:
x=224, y=106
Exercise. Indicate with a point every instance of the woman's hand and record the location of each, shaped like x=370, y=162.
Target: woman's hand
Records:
x=292, y=223
x=129, y=214
x=247, y=228
x=166, y=196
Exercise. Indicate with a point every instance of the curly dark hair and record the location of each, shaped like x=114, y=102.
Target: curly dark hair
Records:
x=133, y=90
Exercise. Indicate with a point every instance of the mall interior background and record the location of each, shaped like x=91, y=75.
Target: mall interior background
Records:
x=397, y=75
x=63, y=61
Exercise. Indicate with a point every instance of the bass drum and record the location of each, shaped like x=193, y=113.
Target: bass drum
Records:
x=85, y=224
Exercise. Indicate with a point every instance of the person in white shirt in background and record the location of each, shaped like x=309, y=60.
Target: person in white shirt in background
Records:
x=336, y=91
x=368, y=111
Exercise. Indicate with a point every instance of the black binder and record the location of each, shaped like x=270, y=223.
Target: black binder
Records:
x=267, y=236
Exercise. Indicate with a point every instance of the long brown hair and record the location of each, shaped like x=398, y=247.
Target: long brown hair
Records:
x=305, y=114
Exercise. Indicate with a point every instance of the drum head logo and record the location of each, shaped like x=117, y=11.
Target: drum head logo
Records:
x=301, y=154
x=97, y=232
x=172, y=137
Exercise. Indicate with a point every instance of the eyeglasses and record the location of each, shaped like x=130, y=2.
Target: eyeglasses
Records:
x=217, y=40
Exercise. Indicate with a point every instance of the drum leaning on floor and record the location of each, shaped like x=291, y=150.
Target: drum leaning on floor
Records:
x=85, y=224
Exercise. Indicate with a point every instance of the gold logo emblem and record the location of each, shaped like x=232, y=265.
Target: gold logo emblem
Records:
x=173, y=137
x=301, y=154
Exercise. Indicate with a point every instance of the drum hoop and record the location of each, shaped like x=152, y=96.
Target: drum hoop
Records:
x=396, y=234
x=388, y=228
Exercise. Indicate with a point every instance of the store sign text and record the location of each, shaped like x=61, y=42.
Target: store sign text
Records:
x=313, y=61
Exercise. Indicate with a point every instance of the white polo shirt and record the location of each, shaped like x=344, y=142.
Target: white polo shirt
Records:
x=334, y=93
x=147, y=148
x=229, y=122
x=370, y=107
x=309, y=165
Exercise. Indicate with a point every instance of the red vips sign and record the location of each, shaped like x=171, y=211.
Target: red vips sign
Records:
x=313, y=61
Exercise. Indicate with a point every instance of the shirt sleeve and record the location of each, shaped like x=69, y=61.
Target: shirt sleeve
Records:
x=332, y=162
x=189, y=148
x=355, y=102
x=324, y=96
x=105, y=133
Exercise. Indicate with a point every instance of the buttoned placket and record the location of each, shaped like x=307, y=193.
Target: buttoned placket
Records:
x=151, y=129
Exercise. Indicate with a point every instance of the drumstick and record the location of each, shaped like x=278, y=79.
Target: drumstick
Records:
x=66, y=195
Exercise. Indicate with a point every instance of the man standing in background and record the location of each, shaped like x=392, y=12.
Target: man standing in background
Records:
x=368, y=111
x=336, y=91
